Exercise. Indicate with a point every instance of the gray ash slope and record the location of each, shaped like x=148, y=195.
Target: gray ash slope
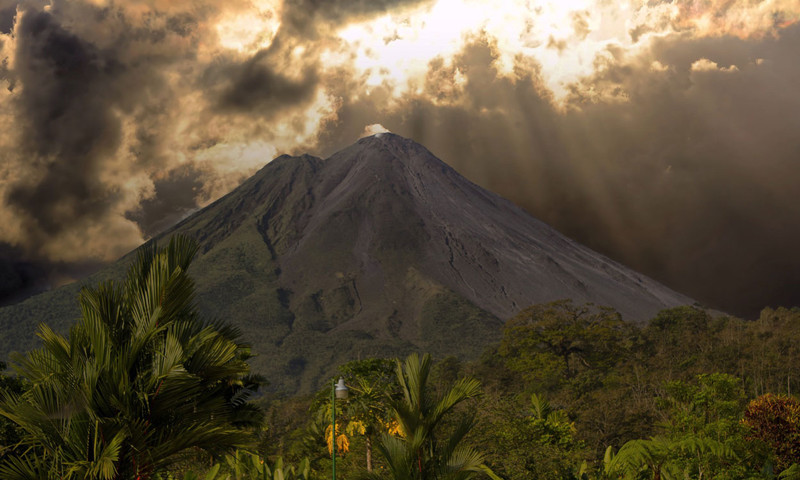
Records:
x=389, y=195
x=377, y=251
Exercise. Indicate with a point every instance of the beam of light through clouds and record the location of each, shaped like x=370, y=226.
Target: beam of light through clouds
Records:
x=660, y=132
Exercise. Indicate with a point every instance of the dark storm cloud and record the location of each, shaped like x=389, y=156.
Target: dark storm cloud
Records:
x=690, y=178
x=64, y=104
x=8, y=13
x=6, y=76
x=22, y=276
x=91, y=105
x=174, y=198
x=257, y=86
x=306, y=16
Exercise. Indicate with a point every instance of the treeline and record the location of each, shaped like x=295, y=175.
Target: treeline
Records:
x=683, y=385
x=572, y=391
x=143, y=388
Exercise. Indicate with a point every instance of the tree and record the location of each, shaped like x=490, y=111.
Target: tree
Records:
x=571, y=354
x=368, y=407
x=529, y=441
x=711, y=406
x=424, y=450
x=555, y=341
x=139, y=380
x=775, y=420
x=681, y=340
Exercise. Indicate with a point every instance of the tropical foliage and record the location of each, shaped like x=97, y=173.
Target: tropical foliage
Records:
x=249, y=466
x=531, y=441
x=775, y=420
x=139, y=380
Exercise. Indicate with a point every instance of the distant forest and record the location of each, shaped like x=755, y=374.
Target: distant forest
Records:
x=143, y=388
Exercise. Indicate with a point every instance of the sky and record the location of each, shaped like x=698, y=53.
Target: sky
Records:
x=664, y=134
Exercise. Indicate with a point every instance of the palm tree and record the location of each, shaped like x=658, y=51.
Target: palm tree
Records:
x=139, y=380
x=424, y=450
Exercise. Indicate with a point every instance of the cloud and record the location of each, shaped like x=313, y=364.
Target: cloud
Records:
x=174, y=197
x=105, y=103
x=306, y=16
x=8, y=13
x=739, y=18
x=256, y=85
x=374, y=129
x=67, y=126
x=706, y=65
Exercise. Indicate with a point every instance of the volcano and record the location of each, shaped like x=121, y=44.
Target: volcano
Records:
x=379, y=250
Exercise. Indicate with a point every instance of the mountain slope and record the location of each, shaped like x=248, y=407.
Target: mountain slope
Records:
x=378, y=250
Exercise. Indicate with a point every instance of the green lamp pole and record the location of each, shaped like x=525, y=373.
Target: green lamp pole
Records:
x=339, y=391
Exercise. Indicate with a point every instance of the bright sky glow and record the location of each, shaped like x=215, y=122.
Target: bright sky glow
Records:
x=249, y=30
x=566, y=38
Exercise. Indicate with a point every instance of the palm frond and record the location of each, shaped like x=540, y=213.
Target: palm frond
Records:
x=791, y=473
x=463, y=389
x=139, y=380
x=30, y=466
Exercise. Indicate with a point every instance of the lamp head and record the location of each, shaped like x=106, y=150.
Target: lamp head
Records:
x=342, y=392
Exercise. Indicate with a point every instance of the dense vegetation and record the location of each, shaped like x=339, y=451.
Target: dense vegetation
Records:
x=143, y=388
x=573, y=392
x=139, y=382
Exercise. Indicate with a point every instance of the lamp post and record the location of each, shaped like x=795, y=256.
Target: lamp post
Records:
x=340, y=391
